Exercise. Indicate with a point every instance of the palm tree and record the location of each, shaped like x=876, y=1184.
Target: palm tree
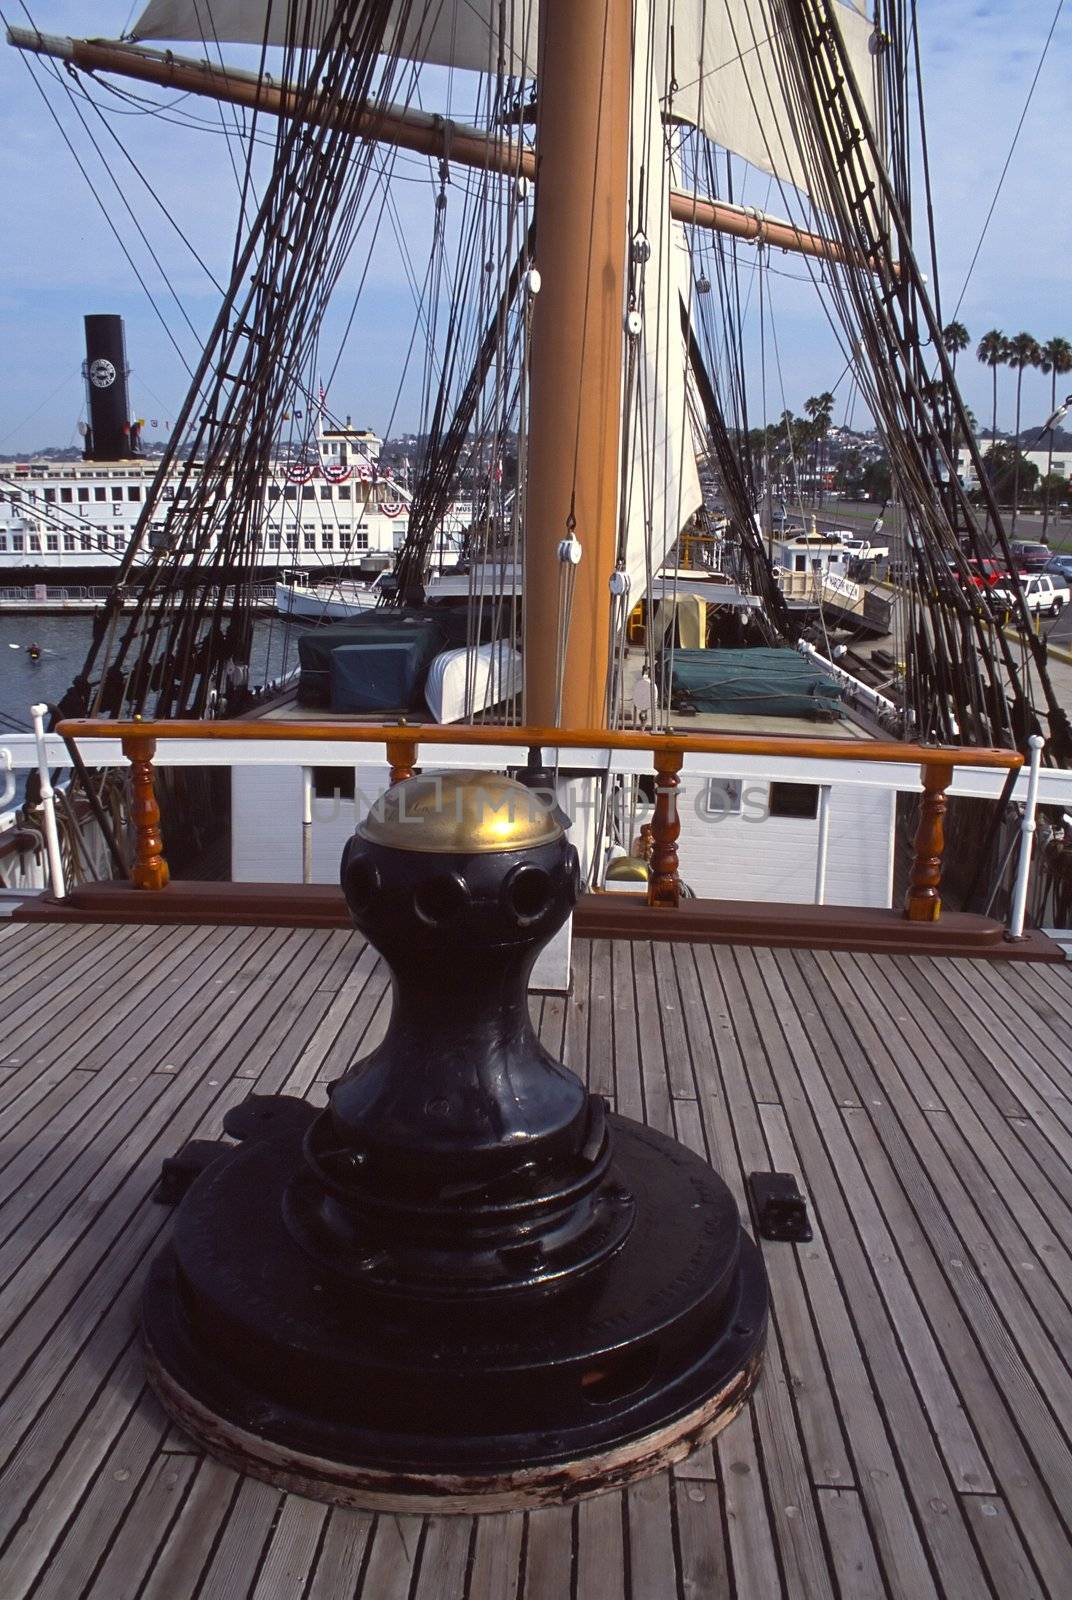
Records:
x=820, y=409
x=955, y=338
x=991, y=352
x=1024, y=351
x=1056, y=360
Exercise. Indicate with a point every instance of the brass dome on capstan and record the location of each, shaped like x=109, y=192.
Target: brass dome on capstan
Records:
x=460, y=813
x=628, y=869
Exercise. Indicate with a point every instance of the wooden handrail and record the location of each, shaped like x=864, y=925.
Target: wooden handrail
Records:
x=402, y=741
x=559, y=738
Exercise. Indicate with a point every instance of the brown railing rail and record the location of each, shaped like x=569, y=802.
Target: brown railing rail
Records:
x=402, y=742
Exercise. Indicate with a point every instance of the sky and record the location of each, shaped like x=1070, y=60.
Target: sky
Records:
x=62, y=259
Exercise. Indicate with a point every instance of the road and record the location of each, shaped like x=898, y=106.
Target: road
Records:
x=1028, y=526
x=862, y=515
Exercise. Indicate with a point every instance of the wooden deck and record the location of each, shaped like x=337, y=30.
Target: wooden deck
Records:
x=910, y=1437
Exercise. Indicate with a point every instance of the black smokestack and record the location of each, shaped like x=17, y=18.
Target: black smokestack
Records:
x=109, y=437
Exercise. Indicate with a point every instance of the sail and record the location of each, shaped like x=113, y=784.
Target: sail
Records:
x=662, y=485
x=716, y=61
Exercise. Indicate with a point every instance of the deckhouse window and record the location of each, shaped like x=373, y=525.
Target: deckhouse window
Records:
x=100, y=492
x=133, y=491
x=722, y=797
x=68, y=541
x=794, y=800
x=52, y=541
x=66, y=496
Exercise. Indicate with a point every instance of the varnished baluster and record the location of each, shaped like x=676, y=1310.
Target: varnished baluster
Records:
x=150, y=870
x=923, y=902
x=664, y=886
x=401, y=756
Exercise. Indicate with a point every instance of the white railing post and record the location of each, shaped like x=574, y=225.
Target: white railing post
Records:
x=823, y=843
x=307, y=825
x=48, y=804
x=7, y=767
x=1027, y=839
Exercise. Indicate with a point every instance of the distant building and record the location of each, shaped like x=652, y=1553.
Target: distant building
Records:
x=1062, y=462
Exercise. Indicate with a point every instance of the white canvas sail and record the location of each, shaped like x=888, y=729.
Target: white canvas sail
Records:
x=662, y=485
x=720, y=55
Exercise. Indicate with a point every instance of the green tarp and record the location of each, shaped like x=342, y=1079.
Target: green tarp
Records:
x=757, y=682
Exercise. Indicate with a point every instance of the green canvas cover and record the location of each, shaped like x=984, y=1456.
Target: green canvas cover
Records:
x=756, y=682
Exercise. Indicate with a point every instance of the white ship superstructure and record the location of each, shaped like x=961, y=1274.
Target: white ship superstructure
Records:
x=332, y=507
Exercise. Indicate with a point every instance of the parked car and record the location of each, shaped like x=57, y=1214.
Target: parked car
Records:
x=987, y=573
x=1044, y=592
x=1060, y=567
x=1029, y=555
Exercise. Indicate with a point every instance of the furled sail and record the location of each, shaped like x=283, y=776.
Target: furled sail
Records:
x=662, y=485
x=716, y=60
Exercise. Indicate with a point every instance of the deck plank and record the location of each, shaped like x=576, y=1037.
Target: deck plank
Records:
x=338, y=1564
x=852, y=1551
x=549, y=1553
x=910, y=1438
x=497, y=1557
x=396, y=1544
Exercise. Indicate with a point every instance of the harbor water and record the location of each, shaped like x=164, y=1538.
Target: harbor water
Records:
x=28, y=679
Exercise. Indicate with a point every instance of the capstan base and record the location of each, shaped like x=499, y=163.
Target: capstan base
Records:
x=376, y=1401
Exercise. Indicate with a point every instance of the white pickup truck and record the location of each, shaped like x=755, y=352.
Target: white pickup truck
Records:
x=864, y=549
x=1044, y=592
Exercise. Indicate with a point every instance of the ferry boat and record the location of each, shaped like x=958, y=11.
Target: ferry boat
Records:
x=328, y=506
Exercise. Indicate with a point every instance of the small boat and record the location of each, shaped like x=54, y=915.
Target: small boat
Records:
x=333, y=601
x=462, y=682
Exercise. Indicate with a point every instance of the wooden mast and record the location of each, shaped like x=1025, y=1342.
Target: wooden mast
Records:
x=582, y=155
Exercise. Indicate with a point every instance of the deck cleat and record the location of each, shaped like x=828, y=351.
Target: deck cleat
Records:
x=465, y=1284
